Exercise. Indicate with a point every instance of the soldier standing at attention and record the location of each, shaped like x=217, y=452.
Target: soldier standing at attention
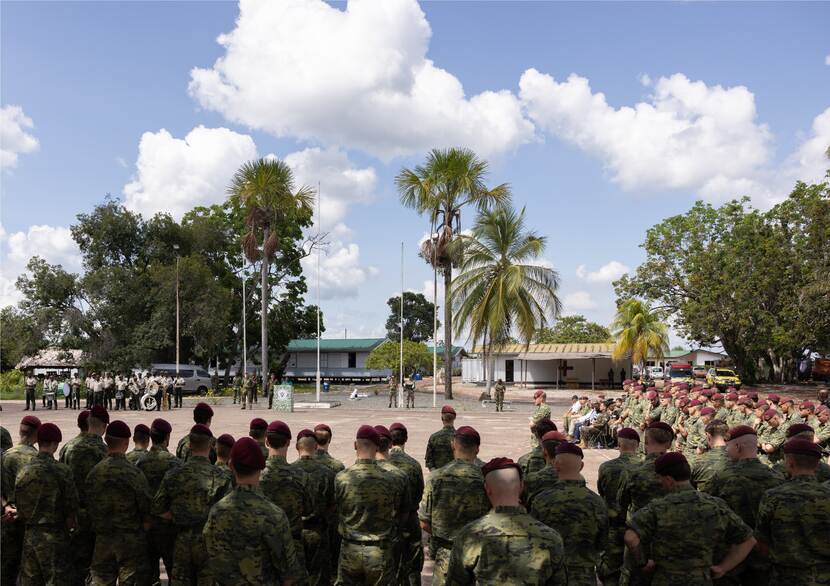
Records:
x=542, y=411
x=393, y=392
x=687, y=529
x=224, y=444
x=506, y=546
x=247, y=537
x=793, y=520
x=439, y=447
x=121, y=513
x=249, y=388
x=83, y=426
x=237, y=388
x=47, y=503
x=323, y=434
x=577, y=513
x=408, y=504
x=185, y=497
x=412, y=552
x=141, y=441
x=155, y=465
x=202, y=413
x=534, y=460
x=409, y=387
x=14, y=459
x=285, y=485
x=454, y=495
x=547, y=477
x=499, y=392
x=705, y=466
x=258, y=429
x=31, y=384
x=178, y=390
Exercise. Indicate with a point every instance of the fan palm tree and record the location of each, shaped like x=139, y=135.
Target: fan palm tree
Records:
x=503, y=291
x=264, y=190
x=638, y=332
x=448, y=180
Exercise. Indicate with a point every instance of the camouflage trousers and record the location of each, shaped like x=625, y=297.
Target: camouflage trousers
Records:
x=393, y=397
x=11, y=548
x=611, y=560
x=46, y=560
x=411, y=554
x=316, y=550
x=120, y=557
x=499, y=400
x=816, y=575
x=191, y=565
x=581, y=576
x=441, y=562
x=365, y=564
x=82, y=545
x=410, y=399
x=161, y=545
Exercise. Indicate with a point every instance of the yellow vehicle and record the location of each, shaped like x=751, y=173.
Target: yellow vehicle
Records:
x=723, y=378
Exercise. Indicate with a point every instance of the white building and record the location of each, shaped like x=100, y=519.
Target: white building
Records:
x=341, y=359
x=571, y=366
x=697, y=357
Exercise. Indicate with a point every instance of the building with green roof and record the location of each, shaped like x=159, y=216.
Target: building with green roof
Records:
x=341, y=360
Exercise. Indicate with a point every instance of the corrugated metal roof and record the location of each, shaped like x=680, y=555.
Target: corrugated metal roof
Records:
x=335, y=345
x=455, y=349
x=553, y=349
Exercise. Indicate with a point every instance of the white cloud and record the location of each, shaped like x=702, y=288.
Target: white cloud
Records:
x=175, y=174
x=341, y=272
x=687, y=135
x=577, y=301
x=827, y=60
x=14, y=136
x=810, y=162
x=358, y=77
x=605, y=274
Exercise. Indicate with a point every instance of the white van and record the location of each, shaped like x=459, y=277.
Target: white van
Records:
x=196, y=378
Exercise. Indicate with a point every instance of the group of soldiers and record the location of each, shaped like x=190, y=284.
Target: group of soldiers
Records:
x=225, y=511
x=408, y=391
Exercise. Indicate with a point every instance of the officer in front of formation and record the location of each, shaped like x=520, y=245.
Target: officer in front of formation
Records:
x=439, y=446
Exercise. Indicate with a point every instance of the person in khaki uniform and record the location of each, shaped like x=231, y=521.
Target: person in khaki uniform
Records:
x=499, y=393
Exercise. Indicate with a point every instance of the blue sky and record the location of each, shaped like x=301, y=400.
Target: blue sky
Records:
x=671, y=102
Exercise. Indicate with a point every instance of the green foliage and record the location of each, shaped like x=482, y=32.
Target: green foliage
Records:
x=19, y=337
x=416, y=356
x=573, y=329
x=417, y=317
x=638, y=332
x=11, y=384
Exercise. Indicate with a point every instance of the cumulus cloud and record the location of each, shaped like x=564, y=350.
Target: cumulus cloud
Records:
x=810, y=161
x=577, y=301
x=827, y=60
x=605, y=274
x=15, y=139
x=358, y=77
x=174, y=174
x=341, y=272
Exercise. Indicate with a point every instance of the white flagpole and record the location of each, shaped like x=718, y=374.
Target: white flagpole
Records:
x=400, y=388
x=244, y=322
x=318, y=290
x=434, y=318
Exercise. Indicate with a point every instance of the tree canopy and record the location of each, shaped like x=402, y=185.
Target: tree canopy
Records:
x=416, y=356
x=573, y=329
x=417, y=317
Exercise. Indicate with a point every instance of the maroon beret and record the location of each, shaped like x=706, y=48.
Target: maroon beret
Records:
x=741, y=430
x=773, y=397
x=367, y=432
x=322, y=427
x=554, y=436
x=226, y=440
x=276, y=427
x=48, y=432
x=744, y=401
x=707, y=411
x=787, y=400
x=731, y=396
x=769, y=414
x=569, y=448
x=468, y=432
x=694, y=403
x=651, y=395
x=383, y=432
x=500, y=464
x=664, y=464
x=118, y=429
x=660, y=425
x=161, y=426
x=538, y=394
x=31, y=421
x=665, y=395
x=753, y=395
x=797, y=428
x=83, y=416
x=807, y=405
x=303, y=433
x=258, y=423
x=822, y=408
x=717, y=397
x=707, y=392
x=628, y=433
x=447, y=409
x=397, y=425
x=202, y=412
x=141, y=429
x=99, y=413
x=201, y=429
x=246, y=452
x=803, y=447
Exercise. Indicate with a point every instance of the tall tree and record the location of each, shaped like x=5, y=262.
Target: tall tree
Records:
x=502, y=290
x=266, y=191
x=573, y=329
x=416, y=356
x=638, y=332
x=449, y=180
x=417, y=317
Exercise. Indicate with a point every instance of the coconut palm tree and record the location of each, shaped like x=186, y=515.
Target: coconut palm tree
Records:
x=638, y=332
x=448, y=180
x=264, y=190
x=503, y=291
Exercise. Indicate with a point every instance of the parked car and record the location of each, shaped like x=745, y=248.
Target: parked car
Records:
x=655, y=372
x=196, y=378
x=699, y=371
x=723, y=378
x=681, y=372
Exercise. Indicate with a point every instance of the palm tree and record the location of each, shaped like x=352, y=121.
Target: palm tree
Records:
x=265, y=192
x=449, y=180
x=638, y=332
x=503, y=291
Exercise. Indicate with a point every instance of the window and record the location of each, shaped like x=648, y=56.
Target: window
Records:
x=352, y=359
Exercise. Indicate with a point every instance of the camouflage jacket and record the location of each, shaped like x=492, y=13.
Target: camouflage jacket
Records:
x=248, y=541
x=775, y=436
x=507, y=547
x=135, y=455
x=82, y=457
x=439, y=448
x=705, y=466
x=414, y=473
x=155, y=464
x=822, y=472
x=46, y=493
x=580, y=517
x=183, y=449
x=531, y=462
x=189, y=491
x=289, y=488
x=638, y=486
x=14, y=460
x=120, y=496
x=67, y=446
x=405, y=495
x=687, y=530
x=453, y=496
x=334, y=464
x=537, y=482
x=742, y=484
x=611, y=474
x=321, y=485
x=368, y=502
x=793, y=520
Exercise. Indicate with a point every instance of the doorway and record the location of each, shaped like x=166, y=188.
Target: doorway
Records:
x=508, y=371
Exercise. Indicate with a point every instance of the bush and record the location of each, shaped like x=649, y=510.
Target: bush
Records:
x=11, y=384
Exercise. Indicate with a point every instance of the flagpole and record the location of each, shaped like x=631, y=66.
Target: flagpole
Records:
x=400, y=388
x=434, y=317
x=244, y=322
x=318, y=290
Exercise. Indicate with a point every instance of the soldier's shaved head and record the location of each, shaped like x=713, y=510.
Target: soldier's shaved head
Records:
x=366, y=449
x=307, y=446
x=568, y=466
x=503, y=487
x=744, y=447
x=627, y=446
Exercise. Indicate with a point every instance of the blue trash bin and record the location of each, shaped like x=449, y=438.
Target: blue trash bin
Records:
x=418, y=376
x=325, y=387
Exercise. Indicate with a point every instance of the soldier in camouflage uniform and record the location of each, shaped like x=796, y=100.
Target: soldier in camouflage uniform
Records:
x=285, y=485
x=453, y=496
x=247, y=537
x=14, y=459
x=237, y=388
x=771, y=438
x=393, y=392
x=5, y=439
x=542, y=411
x=804, y=431
x=534, y=460
x=547, y=477
x=577, y=513
x=323, y=434
x=47, y=503
x=369, y=514
x=591, y=434
x=506, y=546
x=409, y=390
x=793, y=520
x=823, y=430
x=408, y=504
x=611, y=473
x=499, y=393
x=412, y=552
x=714, y=460
x=121, y=514
x=249, y=392
x=224, y=444
x=185, y=497
x=687, y=531
x=258, y=429
x=202, y=413
x=439, y=446
x=155, y=465
x=141, y=441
